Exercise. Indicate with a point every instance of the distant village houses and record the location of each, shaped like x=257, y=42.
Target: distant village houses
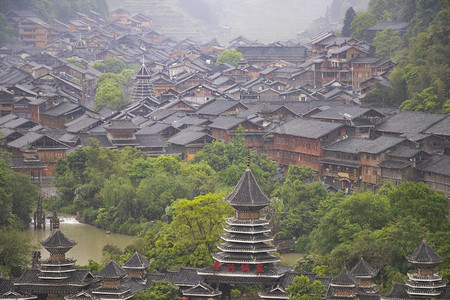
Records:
x=298, y=103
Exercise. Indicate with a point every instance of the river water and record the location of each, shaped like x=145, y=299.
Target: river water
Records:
x=91, y=240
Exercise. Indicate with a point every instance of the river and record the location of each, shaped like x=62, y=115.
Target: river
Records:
x=91, y=240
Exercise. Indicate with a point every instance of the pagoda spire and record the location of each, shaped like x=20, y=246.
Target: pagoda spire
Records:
x=365, y=273
x=246, y=251
x=142, y=86
x=424, y=282
x=136, y=265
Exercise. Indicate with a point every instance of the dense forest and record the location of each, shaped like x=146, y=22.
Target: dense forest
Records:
x=421, y=80
x=178, y=211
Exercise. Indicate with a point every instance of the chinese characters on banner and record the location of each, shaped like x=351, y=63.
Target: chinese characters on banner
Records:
x=216, y=266
x=244, y=267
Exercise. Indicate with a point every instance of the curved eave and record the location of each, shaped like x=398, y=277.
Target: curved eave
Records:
x=246, y=261
x=234, y=240
x=53, y=278
x=273, y=249
x=201, y=295
x=251, y=223
x=425, y=287
x=428, y=263
x=343, y=285
x=57, y=271
x=245, y=232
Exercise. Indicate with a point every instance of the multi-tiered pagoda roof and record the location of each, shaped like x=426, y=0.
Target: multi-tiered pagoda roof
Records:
x=57, y=274
x=365, y=274
x=142, y=86
x=247, y=255
x=424, y=282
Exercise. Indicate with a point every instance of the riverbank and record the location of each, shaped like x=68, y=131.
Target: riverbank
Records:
x=90, y=239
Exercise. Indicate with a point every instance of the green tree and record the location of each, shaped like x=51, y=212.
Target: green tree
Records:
x=229, y=56
x=159, y=290
x=349, y=16
x=23, y=196
x=304, y=173
x=110, y=65
x=111, y=96
x=200, y=221
x=298, y=206
x=387, y=42
x=75, y=62
x=302, y=289
x=361, y=23
x=417, y=200
x=17, y=249
x=353, y=214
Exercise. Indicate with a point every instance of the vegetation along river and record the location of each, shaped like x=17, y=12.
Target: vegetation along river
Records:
x=91, y=240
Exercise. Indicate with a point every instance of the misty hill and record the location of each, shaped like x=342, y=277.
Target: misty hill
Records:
x=265, y=20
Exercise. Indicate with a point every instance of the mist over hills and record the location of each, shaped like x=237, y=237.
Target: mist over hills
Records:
x=264, y=20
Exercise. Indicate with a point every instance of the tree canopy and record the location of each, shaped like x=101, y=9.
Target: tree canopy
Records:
x=159, y=290
x=349, y=16
x=420, y=79
x=229, y=56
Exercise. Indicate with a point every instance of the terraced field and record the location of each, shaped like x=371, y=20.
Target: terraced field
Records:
x=264, y=20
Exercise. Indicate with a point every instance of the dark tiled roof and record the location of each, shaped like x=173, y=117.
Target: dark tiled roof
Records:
x=226, y=122
x=307, y=128
x=202, y=290
x=424, y=254
x=346, y=112
x=410, y=121
x=30, y=283
x=216, y=107
x=187, y=136
x=111, y=271
x=57, y=240
x=438, y=164
x=121, y=124
x=150, y=141
x=153, y=129
x=363, y=269
x=247, y=193
x=404, y=152
x=81, y=124
x=440, y=128
x=184, y=277
x=60, y=109
x=349, y=145
x=394, y=164
x=102, y=139
x=345, y=278
x=137, y=261
x=381, y=144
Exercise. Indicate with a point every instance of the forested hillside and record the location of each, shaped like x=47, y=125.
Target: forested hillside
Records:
x=263, y=20
x=421, y=80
